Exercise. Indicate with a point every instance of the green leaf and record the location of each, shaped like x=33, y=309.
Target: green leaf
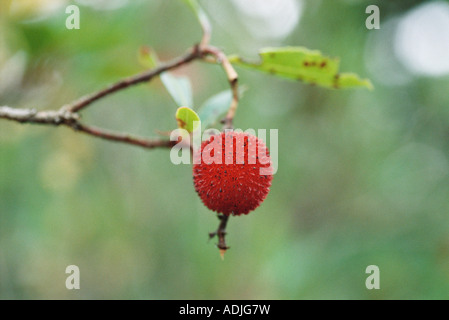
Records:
x=351, y=80
x=214, y=107
x=178, y=87
x=186, y=118
x=200, y=13
x=305, y=65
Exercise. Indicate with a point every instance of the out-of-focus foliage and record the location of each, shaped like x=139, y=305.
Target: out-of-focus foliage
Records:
x=214, y=107
x=362, y=175
x=179, y=87
x=212, y=110
x=201, y=15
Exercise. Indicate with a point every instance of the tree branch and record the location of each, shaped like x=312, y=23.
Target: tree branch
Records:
x=83, y=102
x=123, y=137
x=70, y=119
x=42, y=117
x=68, y=114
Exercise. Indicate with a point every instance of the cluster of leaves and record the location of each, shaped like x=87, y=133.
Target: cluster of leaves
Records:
x=294, y=63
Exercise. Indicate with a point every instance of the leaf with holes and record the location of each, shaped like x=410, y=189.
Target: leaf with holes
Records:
x=299, y=63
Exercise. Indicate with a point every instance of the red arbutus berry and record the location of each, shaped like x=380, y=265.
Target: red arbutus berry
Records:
x=232, y=173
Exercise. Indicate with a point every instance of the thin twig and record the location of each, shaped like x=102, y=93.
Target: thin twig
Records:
x=233, y=82
x=207, y=30
x=221, y=234
x=123, y=137
x=83, y=102
x=70, y=119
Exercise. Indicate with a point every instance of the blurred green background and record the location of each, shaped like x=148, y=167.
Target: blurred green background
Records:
x=362, y=175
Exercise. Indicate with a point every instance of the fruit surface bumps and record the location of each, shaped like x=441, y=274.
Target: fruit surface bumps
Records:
x=239, y=182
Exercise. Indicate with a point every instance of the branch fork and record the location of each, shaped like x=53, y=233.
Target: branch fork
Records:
x=69, y=115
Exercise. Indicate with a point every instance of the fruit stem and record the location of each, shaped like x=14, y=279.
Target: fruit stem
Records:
x=221, y=233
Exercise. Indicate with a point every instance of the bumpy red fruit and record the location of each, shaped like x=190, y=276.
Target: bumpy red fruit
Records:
x=232, y=173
